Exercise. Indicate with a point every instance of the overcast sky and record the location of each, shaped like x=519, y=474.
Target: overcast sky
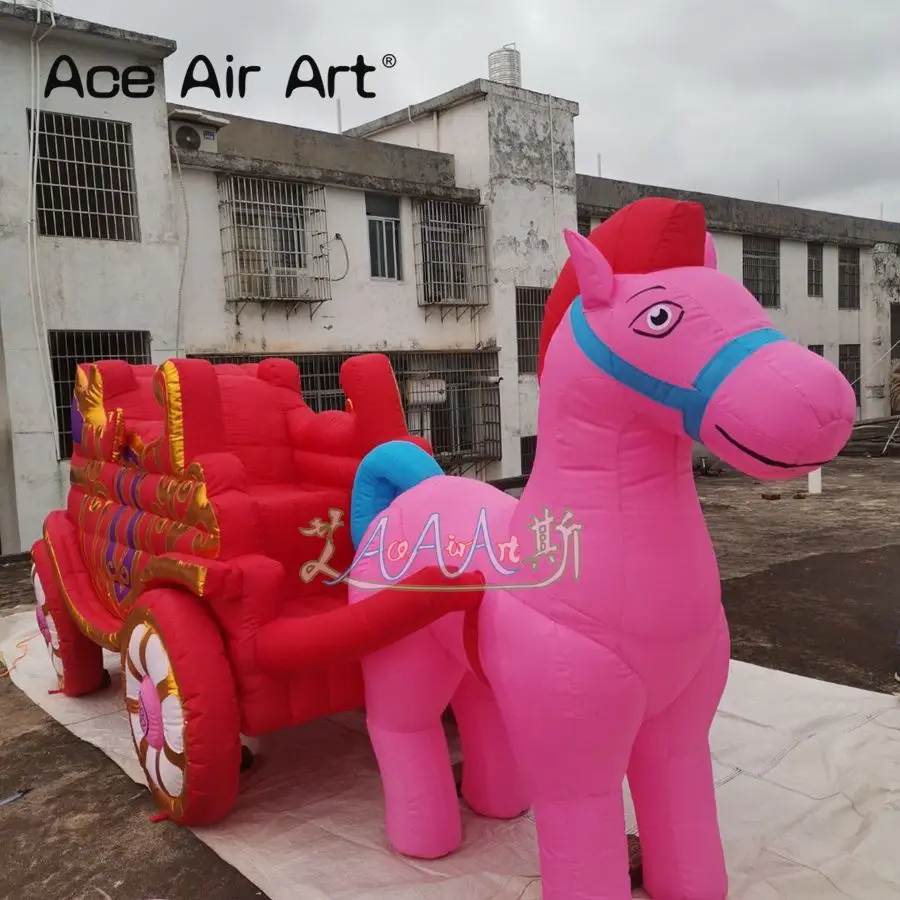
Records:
x=727, y=96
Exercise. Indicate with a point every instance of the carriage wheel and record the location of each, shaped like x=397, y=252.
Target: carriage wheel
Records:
x=182, y=707
x=77, y=660
x=47, y=625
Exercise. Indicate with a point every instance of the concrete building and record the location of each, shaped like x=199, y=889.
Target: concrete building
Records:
x=433, y=234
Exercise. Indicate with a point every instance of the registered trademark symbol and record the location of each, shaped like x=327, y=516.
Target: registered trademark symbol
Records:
x=389, y=60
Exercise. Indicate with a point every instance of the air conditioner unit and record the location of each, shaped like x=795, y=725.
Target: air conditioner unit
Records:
x=290, y=284
x=193, y=136
x=426, y=391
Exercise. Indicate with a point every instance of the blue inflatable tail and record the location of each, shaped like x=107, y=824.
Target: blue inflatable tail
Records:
x=383, y=475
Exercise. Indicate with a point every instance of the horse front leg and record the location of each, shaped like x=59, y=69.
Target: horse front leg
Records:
x=671, y=781
x=572, y=708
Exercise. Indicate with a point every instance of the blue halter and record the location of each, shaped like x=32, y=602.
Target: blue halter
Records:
x=691, y=402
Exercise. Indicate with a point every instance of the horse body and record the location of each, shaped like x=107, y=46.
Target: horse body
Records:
x=605, y=654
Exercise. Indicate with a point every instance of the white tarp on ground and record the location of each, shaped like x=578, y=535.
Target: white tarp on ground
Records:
x=808, y=773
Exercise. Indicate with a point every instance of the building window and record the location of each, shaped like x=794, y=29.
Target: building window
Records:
x=849, y=364
x=584, y=226
x=816, y=348
x=895, y=331
x=814, y=270
x=274, y=241
x=451, y=258
x=527, y=450
x=530, y=303
x=70, y=348
x=451, y=397
x=762, y=270
x=85, y=186
x=383, y=213
x=848, y=277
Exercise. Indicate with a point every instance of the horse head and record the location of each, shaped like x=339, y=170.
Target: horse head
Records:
x=686, y=349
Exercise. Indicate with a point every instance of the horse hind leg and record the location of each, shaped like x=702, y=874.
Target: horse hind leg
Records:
x=408, y=686
x=492, y=784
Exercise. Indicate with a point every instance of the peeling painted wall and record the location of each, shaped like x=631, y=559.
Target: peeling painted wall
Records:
x=518, y=148
x=86, y=284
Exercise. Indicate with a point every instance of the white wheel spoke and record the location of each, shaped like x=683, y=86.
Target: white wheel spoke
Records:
x=134, y=648
x=173, y=723
x=132, y=685
x=150, y=767
x=171, y=776
x=157, y=660
x=54, y=634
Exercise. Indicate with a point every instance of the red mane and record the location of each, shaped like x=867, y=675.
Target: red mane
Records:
x=646, y=236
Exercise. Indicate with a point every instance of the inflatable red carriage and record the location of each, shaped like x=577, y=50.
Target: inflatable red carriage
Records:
x=206, y=513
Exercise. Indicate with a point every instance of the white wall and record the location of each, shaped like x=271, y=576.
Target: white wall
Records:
x=86, y=284
x=363, y=314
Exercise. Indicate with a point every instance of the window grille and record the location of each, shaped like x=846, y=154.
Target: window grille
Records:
x=762, y=270
x=527, y=449
x=584, y=226
x=70, y=348
x=85, y=185
x=817, y=348
x=451, y=397
x=848, y=278
x=383, y=213
x=451, y=255
x=274, y=241
x=530, y=304
x=849, y=364
x=814, y=270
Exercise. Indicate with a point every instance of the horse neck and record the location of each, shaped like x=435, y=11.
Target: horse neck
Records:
x=621, y=467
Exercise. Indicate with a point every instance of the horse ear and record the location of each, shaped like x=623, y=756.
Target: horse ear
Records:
x=594, y=273
x=710, y=259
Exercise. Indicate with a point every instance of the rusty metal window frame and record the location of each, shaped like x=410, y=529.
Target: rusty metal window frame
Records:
x=274, y=240
x=850, y=364
x=816, y=348
x=450, y=397
x=85, y=186
x=68, y=348
x=450, y=242
x=848, y=277
x=762, y=269
x=530, y=305
x=584, y=226
x=815, y=268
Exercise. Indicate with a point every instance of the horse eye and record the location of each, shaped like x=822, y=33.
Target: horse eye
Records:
x=657, y=320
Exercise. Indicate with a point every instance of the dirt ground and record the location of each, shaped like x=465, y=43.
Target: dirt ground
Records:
x=811, y=586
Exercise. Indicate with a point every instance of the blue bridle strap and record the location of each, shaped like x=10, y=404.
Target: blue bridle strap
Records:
x=691, y=402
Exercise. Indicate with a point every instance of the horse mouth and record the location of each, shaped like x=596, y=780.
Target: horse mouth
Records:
x=765, y=459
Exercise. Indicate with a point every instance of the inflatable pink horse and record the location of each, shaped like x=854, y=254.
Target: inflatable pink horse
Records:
x=602, y=646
